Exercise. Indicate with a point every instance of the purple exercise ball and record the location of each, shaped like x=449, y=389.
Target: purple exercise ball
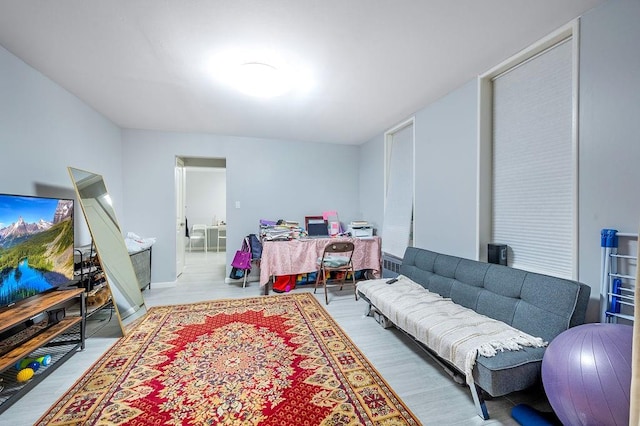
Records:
x=586, y=374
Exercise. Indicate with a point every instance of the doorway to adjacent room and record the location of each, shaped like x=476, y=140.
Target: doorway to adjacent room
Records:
x=201, y=193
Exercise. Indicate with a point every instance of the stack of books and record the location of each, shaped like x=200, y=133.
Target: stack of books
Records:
x=284, y=230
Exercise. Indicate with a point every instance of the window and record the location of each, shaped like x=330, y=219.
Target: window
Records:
x=533, y=184
x=398, y=212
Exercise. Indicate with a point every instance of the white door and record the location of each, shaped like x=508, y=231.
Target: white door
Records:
x=180, y=216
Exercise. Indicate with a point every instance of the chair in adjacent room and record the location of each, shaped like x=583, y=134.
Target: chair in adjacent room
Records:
x=198, y=233
x=222, y=235
x=336, y=257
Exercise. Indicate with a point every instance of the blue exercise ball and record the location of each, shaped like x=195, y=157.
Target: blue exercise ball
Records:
x=586, y=374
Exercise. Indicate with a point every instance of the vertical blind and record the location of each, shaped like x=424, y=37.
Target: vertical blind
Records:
x=398, y=208
x=533, y=164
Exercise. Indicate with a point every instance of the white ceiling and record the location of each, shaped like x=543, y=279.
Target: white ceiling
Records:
x=146, y=64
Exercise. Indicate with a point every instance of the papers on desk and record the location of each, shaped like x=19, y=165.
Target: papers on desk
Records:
x=279, y=232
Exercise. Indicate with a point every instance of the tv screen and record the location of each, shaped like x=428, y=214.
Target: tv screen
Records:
x=36, y=246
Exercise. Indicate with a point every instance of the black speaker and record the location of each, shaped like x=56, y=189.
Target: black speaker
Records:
x=497, y=253
x=56, y=315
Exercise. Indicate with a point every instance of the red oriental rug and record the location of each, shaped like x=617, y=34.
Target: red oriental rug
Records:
x=274, y=360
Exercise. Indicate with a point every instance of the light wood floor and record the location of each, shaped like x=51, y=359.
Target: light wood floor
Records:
x=429, y=392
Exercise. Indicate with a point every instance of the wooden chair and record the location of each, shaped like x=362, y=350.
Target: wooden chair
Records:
x=336, y=257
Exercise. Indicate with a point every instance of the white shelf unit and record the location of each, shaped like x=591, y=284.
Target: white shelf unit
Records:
x=618, y=281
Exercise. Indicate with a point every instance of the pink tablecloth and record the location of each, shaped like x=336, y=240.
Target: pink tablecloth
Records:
x=299, y=256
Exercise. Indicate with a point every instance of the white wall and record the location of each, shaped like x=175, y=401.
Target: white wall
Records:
x=205, y=195
x=445, y=175
x=445, y=181
x=270, y=179
x=609, y=151
x=609, y=128
x=371, y=182
x=43, y=130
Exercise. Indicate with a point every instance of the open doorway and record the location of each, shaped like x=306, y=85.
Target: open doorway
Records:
x=203, y=206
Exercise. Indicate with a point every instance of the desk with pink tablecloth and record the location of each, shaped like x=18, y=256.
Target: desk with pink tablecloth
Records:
x=300, y=256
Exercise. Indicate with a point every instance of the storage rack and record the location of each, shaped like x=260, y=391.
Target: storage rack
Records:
x=87, y=267
x=60, y=339
x=618, y=279
x=92, y=278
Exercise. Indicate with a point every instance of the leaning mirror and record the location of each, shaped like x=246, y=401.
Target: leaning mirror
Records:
x=110, y=245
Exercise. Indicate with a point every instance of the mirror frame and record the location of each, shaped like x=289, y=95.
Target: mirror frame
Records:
x=97, y=207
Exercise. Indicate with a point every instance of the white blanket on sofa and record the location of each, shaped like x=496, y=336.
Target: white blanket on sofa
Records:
x=457, y=334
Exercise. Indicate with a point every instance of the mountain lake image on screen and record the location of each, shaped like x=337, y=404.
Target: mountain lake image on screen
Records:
x=36, y=246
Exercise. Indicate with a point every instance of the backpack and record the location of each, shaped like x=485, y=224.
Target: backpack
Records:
x=238, y=274
x=256, y=246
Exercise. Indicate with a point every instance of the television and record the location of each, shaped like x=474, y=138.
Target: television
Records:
x=36, y=246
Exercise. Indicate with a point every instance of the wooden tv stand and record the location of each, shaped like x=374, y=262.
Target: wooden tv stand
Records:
x=60, y=340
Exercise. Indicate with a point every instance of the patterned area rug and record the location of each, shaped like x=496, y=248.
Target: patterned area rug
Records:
x=272, y=360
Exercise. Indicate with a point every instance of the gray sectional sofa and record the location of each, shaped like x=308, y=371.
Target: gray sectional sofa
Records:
x=536, y=304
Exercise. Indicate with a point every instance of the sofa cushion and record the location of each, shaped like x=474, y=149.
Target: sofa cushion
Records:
x=497, y=306
x=418, y=265
x=421, y=259
x=469, y=283
x=471, y=272
x=465, y=295
x=546, y=305
x=446, y=266
x=504, y=280
x=509, y=371
x=441, y=285
x=420, y=276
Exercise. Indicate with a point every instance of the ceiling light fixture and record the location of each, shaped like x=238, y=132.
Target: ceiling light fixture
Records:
x=261, y=80
x=261, y=73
